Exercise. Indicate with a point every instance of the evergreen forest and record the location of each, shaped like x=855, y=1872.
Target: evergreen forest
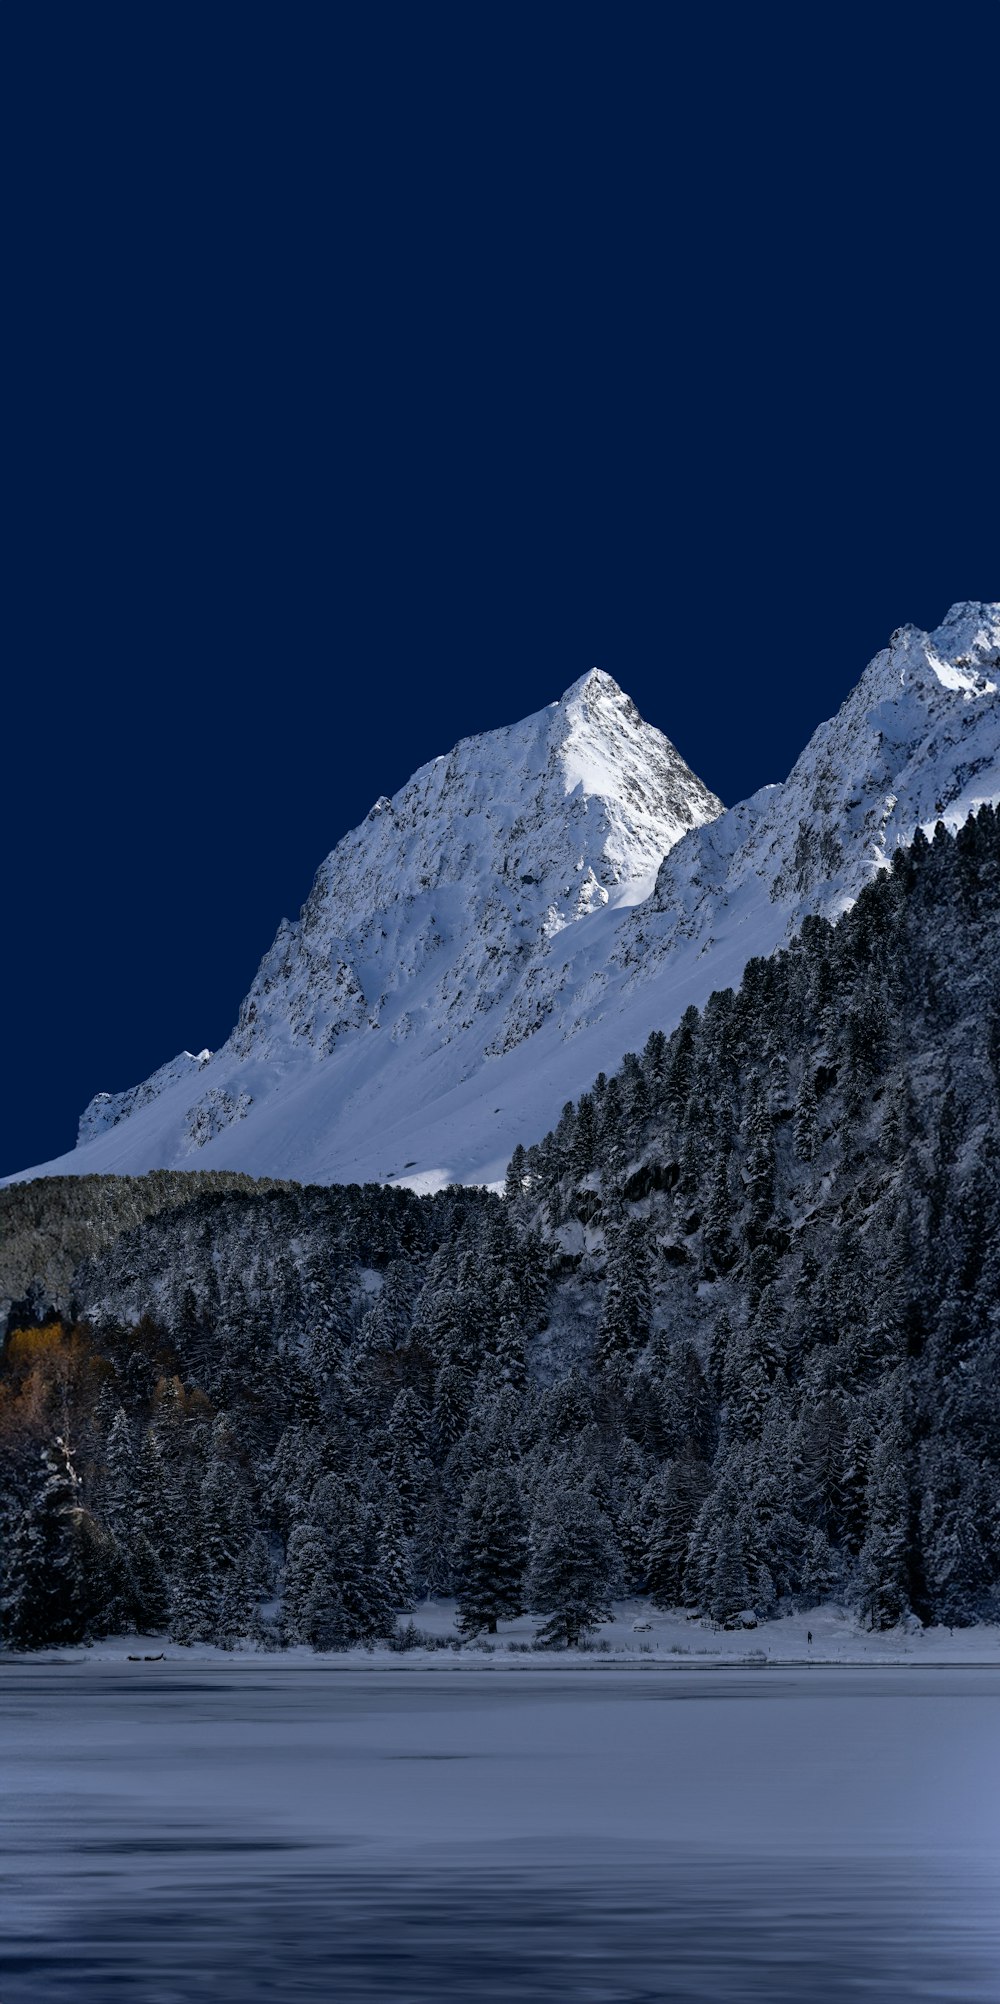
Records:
x=730, y=1339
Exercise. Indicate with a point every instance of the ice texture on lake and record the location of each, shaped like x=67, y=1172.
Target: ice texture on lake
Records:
x=175, y=1832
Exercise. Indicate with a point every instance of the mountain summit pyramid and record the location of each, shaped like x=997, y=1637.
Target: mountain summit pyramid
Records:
x=531, y=906
x=421, y=954
x=428, y=921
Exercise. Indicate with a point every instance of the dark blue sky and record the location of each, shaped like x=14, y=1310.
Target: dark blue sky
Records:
x=379, y=371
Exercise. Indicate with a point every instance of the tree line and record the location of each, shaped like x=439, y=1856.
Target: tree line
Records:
x=729, y=1339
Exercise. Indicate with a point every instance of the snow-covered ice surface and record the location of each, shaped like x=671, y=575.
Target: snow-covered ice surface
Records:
x=528, y=908
x=263, y=1830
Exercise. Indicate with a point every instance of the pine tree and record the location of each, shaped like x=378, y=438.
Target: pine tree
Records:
x=109, y=1593
x=654, y=1064
x=516, y=1175
x=194, y=1600
x=717, y=1237
x=625, y=1323
x=627, y=1513
x=686, y=1428
x=680, y=1065
x=395, y=1560
x=584, y=1146
x=429, y=1549
x=670, y=1506
x=720, y=1360
x=759, y=1548
x=352, y=1531
x=45, y=1601
x=572, y=1567
x=408, y=1462
x=636, y=1101
x=490, y=1552
x=224, y=1509
x=819, y=1571
x=22, y=1615
x=379, y=1610
x=149, y=1586
x=818, y=1446
x=493, y=1431
x=453, y=1392
x=716, y=1576
x=882, y=1580
x=387, y=1323
x=312, y=1605
x=729, y=1587
x=955, y=1507
x=149, y=1517
x=759, y=1156
x=508, y=1351
x=631, y=1540
x=238, y=1617
x=806, y=1128
x=120, y=1479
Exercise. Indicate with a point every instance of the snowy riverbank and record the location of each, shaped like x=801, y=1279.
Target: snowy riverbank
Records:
x=637, y=1637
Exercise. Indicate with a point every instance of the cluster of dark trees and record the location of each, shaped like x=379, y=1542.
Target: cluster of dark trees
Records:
x=730, y=1339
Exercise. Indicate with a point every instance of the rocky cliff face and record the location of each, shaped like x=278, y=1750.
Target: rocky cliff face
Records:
x=107, y=1109
x=917, y=741
x=528, y=908
x=432, y=918
x=422, y=954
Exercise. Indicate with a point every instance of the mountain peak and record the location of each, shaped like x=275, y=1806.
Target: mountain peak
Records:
x=972, y=624
x=915, y=742
x=960, y=656
x=484, y=943
x=594, y=683
x=432, y=943
x=608, y=753
x=452, y=890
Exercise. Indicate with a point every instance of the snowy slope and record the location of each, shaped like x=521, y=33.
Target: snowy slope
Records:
x=529, y=908
x=418, y=959
x=107, y=1109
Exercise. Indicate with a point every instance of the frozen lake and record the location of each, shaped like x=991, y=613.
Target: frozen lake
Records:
x=174, y=1833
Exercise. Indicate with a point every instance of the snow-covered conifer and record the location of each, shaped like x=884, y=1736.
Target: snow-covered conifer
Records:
x=490, y=1551
x=572, y=1568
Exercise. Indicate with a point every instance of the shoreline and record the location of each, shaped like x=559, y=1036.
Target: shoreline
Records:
x=637, y=1638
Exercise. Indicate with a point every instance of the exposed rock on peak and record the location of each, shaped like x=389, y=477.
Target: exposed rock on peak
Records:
x=107, y=1109
x=529, y=906
x=428, y=937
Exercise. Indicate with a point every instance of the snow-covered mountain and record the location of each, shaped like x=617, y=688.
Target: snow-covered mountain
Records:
x=527, y=909
x=419, y=958
x=107, y=1109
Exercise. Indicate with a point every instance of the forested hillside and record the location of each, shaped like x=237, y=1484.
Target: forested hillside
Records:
x=48, y=1227
x=730, y=1340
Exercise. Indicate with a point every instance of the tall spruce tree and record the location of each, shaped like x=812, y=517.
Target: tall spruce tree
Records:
x=625, y=1323
x=490, y=1552
x=45, y=1600
x=572, y=1570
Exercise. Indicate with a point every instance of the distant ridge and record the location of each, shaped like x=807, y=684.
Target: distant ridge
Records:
x=528, y=907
